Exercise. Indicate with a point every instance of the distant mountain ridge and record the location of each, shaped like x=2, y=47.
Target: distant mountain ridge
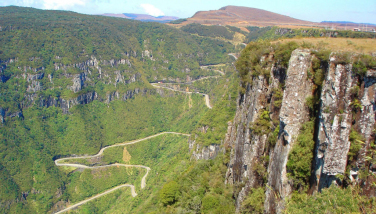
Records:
x=143, y=17
x=244, y=16
x=347, y=22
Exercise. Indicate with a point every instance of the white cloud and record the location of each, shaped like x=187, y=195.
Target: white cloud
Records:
x=63, y=4
x=151, y=10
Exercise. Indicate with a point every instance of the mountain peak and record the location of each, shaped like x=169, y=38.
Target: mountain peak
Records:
x=244, y=16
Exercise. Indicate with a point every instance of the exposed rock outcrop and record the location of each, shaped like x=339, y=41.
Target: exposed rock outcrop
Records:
x=2, y=115
x=78, y=82
x=347, y=105
x=367, y=115
x=292, y=115
x=5, y=113
x=248, y=148
x=204, y=152
x=245, y=147
x=335, y=119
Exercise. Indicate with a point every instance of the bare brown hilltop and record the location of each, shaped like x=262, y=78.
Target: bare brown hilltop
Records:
x=245, y=16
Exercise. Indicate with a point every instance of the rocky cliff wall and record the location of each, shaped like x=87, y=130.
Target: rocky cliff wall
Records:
x=66, y=104
x=332, y=144
x=246, y=149
x=292, y=116
x=345, y=108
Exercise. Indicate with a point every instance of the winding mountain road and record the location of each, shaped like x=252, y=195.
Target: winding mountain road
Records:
x=204, y=78
x=207, y=100
x=233, y=55
x=134, y=194
x=206, y=67
x=189, y=83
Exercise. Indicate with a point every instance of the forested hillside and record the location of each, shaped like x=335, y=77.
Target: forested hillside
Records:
x=72, y=84
x=52, y=50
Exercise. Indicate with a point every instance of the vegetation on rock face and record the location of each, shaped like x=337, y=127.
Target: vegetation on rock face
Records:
x=278, y=95
x=248, y=63
x=364, y=63
x=332, y=200
x=299, y=164
x=283, y=53
x=300, y=158
x=254, y=203
x=263, y=124
x=356, y=143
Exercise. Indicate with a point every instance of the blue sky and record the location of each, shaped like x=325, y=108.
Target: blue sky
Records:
x=312, y=10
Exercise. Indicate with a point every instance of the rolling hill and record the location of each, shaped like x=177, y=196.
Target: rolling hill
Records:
x=244, y=16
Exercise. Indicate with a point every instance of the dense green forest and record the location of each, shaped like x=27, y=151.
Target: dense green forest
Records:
x=57, y=45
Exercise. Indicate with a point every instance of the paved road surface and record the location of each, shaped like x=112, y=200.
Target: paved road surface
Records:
x=232, y=54
x=134, y=194
x=206, y=67
x=207, y=100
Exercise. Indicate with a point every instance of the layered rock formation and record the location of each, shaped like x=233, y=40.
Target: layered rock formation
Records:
x=335, y=118
x=292, y=115
x=338, y=114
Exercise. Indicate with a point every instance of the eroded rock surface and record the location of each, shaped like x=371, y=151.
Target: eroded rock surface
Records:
x=292, y=115
x=335, y=119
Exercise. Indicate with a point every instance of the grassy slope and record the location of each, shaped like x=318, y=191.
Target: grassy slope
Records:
x=356, y=45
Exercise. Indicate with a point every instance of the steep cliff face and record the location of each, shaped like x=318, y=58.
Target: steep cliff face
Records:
x=246, y=148
x=343, y=134
x=337, y=124
x=81, y=78
x=90, y=73
x=367, y=114
x=292, y=115
x=66, y=104
x=367, y=121
x=332, y=144
x=249, y=147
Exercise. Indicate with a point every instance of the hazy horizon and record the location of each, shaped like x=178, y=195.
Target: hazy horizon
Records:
x=317, y=11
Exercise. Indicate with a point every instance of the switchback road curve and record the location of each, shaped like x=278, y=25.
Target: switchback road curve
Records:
x=134, y=194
